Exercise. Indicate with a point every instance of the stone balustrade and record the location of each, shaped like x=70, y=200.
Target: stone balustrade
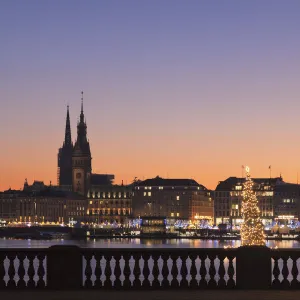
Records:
x=71, y=267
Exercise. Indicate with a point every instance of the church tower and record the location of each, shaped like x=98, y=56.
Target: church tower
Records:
x=64, y=173
x=81, y=158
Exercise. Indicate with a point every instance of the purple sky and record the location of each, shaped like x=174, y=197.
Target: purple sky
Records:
x=172, y=88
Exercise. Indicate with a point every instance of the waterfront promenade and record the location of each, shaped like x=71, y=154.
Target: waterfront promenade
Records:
x=152, y=295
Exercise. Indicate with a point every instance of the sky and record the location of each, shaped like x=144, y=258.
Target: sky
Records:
x=179, y=89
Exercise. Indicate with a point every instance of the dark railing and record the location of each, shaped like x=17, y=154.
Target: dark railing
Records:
x=71, y=267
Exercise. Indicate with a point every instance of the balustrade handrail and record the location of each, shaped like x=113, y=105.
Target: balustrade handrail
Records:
x=277, y=250
x=156, y=249
x=4, y=250
x=160, y=250
x=171, y=250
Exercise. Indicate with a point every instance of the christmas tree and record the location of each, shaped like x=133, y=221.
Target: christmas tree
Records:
x=252, y=229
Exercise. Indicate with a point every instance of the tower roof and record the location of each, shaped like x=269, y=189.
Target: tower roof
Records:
x=82, y=146
x=81, y=112
x=68, y=137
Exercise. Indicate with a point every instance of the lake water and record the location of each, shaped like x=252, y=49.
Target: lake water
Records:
x=138, y=243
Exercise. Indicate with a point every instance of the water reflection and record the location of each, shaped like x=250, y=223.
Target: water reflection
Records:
x=138, y=243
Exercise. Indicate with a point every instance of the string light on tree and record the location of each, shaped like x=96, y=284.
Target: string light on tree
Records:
x=252, y=229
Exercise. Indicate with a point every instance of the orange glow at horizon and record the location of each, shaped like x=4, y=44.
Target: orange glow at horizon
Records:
x=127, y=158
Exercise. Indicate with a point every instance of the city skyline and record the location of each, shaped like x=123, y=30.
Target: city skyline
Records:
x=175, y=89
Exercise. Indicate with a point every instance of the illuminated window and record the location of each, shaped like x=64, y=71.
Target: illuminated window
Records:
x=177, y=214
x=268, y=194
x=177, y=198
x=149, y=193
x=238, y=187
x=172, y=214
x=161, y=188
x=146, y=187
x=235, y=206
x=145, y=193
x=91, y=202
x=149, y=187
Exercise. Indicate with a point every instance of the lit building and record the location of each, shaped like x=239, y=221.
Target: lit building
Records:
x=175, y=199
x=287, y=203
x=228, y=199
x=109, y=204
x=8, y=205
x=35, y=204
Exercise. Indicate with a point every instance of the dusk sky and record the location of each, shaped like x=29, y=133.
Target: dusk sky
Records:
x=181, y=89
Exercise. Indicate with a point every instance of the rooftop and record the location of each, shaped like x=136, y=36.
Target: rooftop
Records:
x=46, y=192
x=158, y=181
x=229, y=183
x=102, y=179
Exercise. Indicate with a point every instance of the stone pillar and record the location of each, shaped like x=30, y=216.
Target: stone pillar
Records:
x=253, y=267
x=64, y=268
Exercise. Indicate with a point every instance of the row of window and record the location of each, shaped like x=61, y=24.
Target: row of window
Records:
x=108, y=195
x=107, y=213
x=74, y=213
x=109, y=202
x=148, y=194
x=265, y=193
x=161, y=187
x=288, y=200
x=173, y=214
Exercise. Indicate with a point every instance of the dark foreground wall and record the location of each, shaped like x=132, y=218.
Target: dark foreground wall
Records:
x=74, y=268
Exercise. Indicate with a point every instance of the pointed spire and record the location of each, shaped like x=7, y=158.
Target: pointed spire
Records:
x=81, y=126
x=68, y=138
x=81, y=113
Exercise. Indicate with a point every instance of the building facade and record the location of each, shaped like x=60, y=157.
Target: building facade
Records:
x=228, y=199
x=175, y=199
x=109, y=204
x=8, y=205
x=287, y=203
x=41, y=205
